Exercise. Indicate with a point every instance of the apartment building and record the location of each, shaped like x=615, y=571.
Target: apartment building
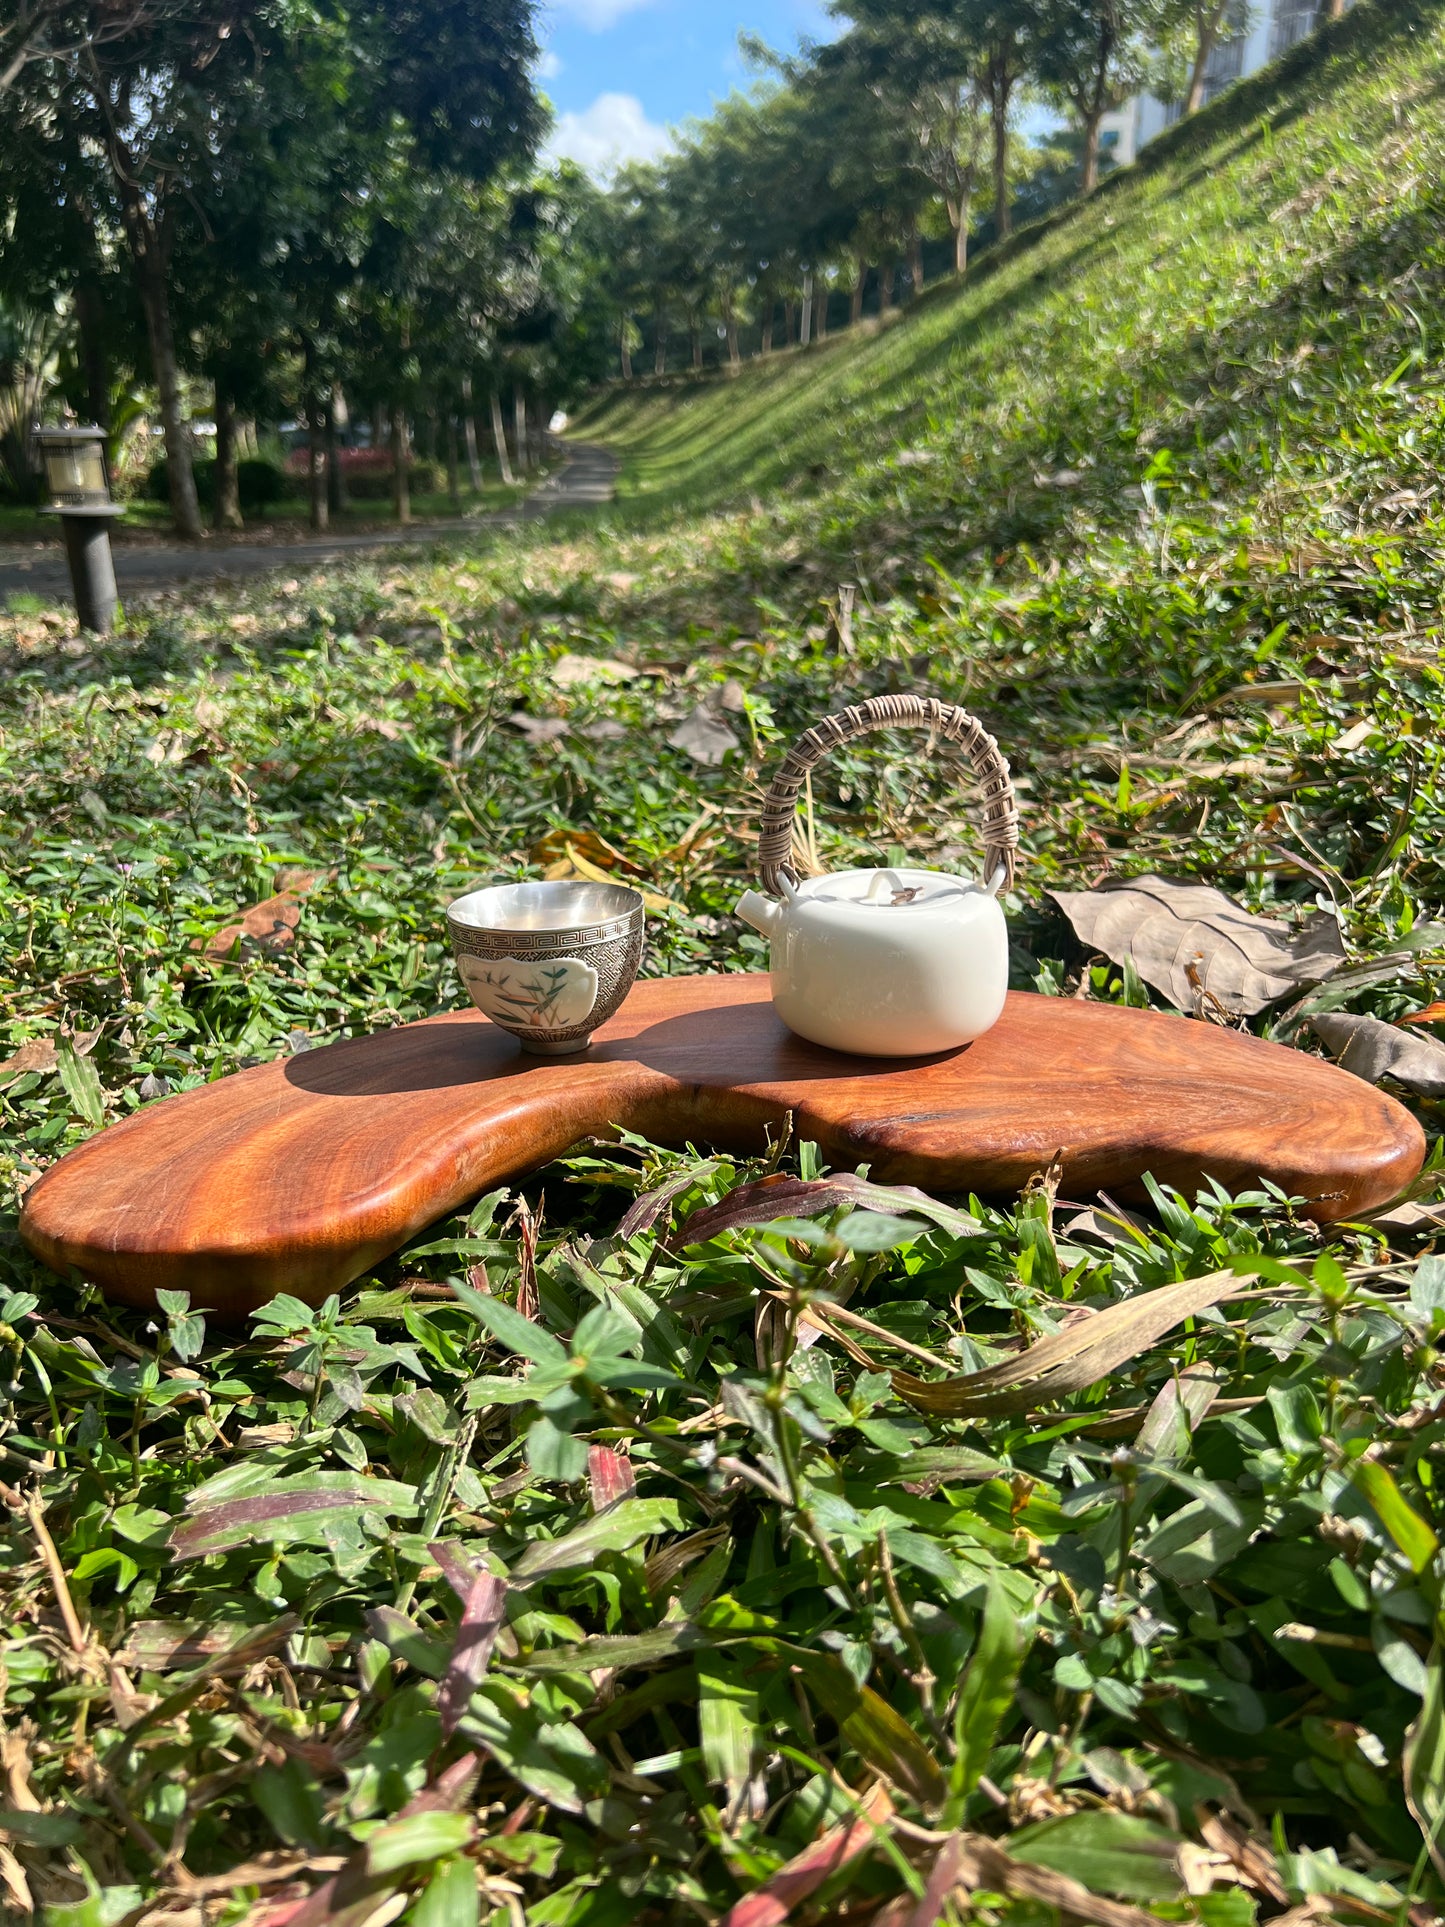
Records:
x=1270, y=26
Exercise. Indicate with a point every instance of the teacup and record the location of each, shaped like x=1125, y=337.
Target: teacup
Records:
x=549, y=962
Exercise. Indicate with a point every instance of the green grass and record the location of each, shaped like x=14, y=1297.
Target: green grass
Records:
x=1170, y=521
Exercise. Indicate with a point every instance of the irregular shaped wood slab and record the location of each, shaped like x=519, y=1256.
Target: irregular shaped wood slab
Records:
x=299, y=1175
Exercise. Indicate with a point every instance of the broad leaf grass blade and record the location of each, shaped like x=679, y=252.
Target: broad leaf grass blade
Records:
x=876, y=1731
x=727, y=1718
x=1424, y=1761
x=1071, y=1360
x=613, y=1531
x=1415, y=1537
x=987, y=1694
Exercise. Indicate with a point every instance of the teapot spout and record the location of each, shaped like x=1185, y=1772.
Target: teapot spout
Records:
x=760, y=911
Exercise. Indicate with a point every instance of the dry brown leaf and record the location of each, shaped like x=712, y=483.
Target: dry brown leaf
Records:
x=704, y=737
x=1071, y=1360
x=563, y=843
x=571, y=672
x=1370, y=1049
x=538, y=729
x=268, y=926
x=36, y=1055
x=1193, y=944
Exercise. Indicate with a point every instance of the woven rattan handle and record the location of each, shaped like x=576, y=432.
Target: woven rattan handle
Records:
x=1000, y=810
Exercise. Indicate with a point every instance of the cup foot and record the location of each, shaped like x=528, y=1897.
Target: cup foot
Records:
x=535, y=1048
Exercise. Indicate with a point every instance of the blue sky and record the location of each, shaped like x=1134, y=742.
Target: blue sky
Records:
x=621, y=72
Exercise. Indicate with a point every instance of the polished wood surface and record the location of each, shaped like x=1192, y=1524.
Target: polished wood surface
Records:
x=299, y=1175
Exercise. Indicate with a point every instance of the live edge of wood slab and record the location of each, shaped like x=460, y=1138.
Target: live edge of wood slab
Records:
x=299, y=1175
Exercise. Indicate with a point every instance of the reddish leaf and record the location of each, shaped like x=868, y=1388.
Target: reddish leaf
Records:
x=476, y=1636
x=610, y=1477
x=807, y=1871
x=769, y=1199
x=643, y=1213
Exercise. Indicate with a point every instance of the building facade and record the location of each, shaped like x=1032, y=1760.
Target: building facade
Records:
x=1268, y=28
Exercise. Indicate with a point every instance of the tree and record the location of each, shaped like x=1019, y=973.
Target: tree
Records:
x=163, y=104
x=1092, y=55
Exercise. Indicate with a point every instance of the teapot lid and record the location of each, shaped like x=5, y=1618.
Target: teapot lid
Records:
x=890, y=889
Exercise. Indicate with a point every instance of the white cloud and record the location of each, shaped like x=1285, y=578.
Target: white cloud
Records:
x=597, y=15
x=606, y=135
x=548, y=65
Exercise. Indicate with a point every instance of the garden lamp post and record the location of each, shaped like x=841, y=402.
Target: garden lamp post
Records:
x=79, y=491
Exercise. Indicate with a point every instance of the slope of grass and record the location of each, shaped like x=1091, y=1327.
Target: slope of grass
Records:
x=1169, y=519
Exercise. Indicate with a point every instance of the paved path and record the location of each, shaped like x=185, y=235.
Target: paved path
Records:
x=585, y=479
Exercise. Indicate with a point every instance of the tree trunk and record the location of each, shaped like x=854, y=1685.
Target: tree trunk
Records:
x=336, y=420
x=1335, y=10
x=915, y=259
x=150, y=274
x=734, y=357
x=94, y=358
x=624, y=348
x=454, y=478
x=659, y=340
x=1210, y=18
x=400, y=482
x=469, y=431
x=765, y=344
x=1000, y=92
x=959, y=212
x=855, y=298
x=821, y=321
x=499, y=441
x=885, y=289
x=805, y=326
x=316, y=463
x=789, y=314
x=227, y=511
x=519, y=430
x=1090, y=178
x=428, y=449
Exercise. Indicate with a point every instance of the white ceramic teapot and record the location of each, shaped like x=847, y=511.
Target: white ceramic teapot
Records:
x=887, y=963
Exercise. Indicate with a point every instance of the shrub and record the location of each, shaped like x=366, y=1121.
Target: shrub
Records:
x=373, y=483
x=261, y=484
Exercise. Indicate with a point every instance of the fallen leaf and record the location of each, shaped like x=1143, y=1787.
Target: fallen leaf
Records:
x=565, y=844
x=269, y=926
x=1370, y=1049
x=606, y=729
x=1355, y=735
x=570, y=672
x=1071, y=1360
x=1195, y=945
x=733, y=696
x=703, y=737
x=654, y=899
x=36, y=1055
x=538, y=729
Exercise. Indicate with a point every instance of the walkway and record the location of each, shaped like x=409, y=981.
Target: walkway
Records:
x=586, y=479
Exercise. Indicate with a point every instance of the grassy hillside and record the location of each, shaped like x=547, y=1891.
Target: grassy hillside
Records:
x=1211, y=321
x=1157, y=493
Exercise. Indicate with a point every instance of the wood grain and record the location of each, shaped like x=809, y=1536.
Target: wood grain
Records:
x=299, y=1175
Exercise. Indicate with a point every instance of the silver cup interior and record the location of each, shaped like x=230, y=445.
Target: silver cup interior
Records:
x=571, y=905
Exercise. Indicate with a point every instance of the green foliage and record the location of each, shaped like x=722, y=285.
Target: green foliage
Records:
x=261, y=485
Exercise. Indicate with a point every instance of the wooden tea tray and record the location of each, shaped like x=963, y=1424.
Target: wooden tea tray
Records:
x=299, y=1175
